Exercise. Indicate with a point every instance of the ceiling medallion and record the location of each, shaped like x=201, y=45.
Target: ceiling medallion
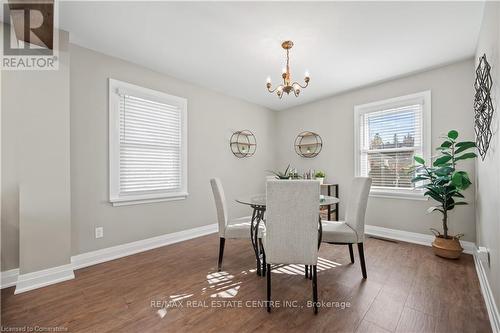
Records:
x=287, y=87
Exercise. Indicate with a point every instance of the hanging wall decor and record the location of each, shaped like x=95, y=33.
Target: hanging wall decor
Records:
x=483, y=106
x=308, y=144
x=243, y=143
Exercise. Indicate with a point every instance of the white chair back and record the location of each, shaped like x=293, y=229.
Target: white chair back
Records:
x=220, y=204
x=292, y=214
x=356, y=205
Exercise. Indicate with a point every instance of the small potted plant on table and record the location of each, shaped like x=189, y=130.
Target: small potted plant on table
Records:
x=319, y=175
x=282, y=175
x=444, y=183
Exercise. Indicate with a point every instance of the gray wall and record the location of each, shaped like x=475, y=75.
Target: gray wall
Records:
x=488, y=171
x=36, y=167
x=332, y=118
x=212, y=118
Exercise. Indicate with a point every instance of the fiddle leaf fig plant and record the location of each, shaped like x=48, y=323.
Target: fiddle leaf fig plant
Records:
x=442, y=181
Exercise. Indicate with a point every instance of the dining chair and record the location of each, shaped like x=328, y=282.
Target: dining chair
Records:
x=352, y=230
x=238, y=228
x=291, y=234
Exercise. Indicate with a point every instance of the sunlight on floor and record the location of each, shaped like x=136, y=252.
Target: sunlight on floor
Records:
x=173, y=298
x=225, y=285
x=323, y=265
x=219, y=277
x=162, y=312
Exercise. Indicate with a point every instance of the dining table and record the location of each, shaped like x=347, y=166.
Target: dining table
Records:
x=258, y=204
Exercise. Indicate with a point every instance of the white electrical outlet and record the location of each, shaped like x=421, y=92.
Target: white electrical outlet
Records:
x=99, y=232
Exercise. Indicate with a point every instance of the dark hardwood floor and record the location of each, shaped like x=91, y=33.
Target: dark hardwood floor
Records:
x=408, y=290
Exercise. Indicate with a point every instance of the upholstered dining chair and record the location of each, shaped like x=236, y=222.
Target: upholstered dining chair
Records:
x=238, y=228
x=291, y=235
x=352, y=230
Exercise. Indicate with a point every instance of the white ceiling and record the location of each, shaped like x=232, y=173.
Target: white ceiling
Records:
x=233, y=47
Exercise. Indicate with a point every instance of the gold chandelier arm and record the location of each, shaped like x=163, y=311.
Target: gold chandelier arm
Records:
x=305, y=86
x=272, y=90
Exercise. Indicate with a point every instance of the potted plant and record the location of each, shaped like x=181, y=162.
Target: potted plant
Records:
x=282, y=175
x=444, y=183
x=319, y=175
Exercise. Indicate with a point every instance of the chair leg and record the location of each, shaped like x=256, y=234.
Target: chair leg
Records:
x=264, y=264
x=351, y=253
x=310, y=272
x=306, y=271
x=268, y=288
x=362, y=259
x=315, y=288
x=221, y=253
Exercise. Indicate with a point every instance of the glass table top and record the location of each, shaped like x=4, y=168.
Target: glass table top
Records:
x=260, y=200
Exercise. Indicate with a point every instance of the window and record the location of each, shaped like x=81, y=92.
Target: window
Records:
x=388, y=134
x=147, y=145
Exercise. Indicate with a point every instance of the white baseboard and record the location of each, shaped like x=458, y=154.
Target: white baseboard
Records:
x=410, y=237
x=489, y=299
x=29, y=281
x=38, y=279
x=119, y=251
x=9, y=278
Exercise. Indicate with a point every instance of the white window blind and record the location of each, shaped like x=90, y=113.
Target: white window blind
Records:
x=149, y=152
x=389, y=134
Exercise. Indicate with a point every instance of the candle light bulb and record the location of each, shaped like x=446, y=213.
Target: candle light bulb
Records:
x=306, y=74
x=283, y=70
x=268, y=80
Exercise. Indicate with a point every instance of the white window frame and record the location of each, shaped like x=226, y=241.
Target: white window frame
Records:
x=117, y=87
x=359, y=110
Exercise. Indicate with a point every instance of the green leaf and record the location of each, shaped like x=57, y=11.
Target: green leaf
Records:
x=442, y=160
x=419, y=178
x=465, y=156
x=443, y=171
x=436, y=189
x=434, y=208
x=461, y=203
x=434, y=196
x=449, y=203
x=446, y=144
x=465, y=146
x=465, y=143
x=453, y=134
x=286, y=171
x=461, y=180
x=419, y=159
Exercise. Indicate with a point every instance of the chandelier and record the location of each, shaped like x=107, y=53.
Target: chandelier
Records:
x=287, y=87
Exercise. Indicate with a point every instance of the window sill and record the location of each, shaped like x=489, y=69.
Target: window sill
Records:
x=399, y=195
x=116, y=202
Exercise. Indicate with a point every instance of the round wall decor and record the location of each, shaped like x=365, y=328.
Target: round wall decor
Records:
x=243, y=143
x=308, y=144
